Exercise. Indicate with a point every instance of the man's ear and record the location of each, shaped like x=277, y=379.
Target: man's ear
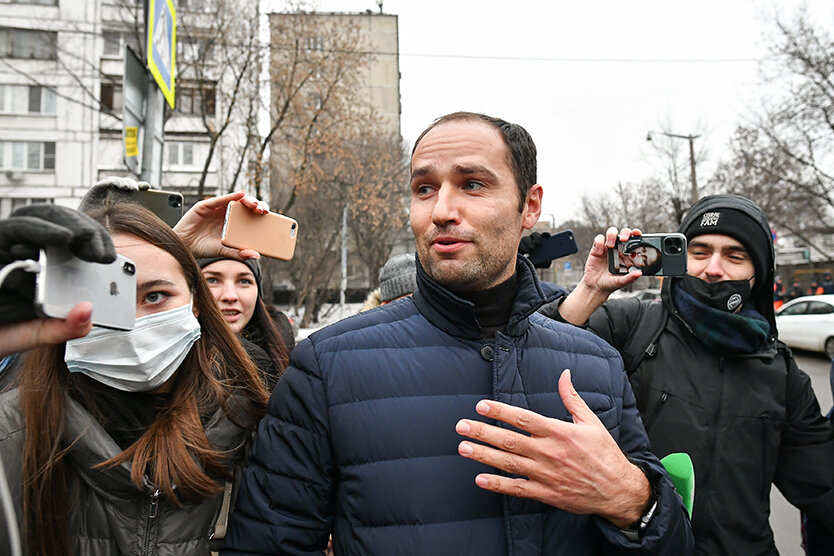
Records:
x=532, y=207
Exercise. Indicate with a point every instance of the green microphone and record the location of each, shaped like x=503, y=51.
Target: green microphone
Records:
x=679, y=467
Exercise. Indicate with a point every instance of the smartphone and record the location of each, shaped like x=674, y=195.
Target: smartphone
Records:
x=654, y=254
x=553, y=247
x=65, y=280
x=168, y=205
x=270, y=234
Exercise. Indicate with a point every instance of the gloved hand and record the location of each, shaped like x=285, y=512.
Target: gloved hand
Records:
x=97, y=195
x=32, y=227
x=532, y=242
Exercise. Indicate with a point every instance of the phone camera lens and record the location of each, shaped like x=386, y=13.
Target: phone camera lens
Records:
x=174, y=201
x=673, y=245
x=129, y=268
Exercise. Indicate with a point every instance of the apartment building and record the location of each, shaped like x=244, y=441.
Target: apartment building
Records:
x=61, y=66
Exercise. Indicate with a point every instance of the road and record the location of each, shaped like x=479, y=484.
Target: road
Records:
x=784, y=518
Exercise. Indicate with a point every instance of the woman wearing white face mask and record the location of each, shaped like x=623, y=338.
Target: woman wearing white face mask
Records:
x=123, y=442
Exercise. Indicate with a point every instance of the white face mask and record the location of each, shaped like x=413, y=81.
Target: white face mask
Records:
x=136, y=360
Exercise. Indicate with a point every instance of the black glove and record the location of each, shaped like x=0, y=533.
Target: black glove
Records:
x=530, y=243
x=32, y=227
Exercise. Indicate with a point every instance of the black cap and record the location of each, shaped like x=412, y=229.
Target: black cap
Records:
x=739, y=226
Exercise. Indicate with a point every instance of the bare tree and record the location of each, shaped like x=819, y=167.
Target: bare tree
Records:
x=785, y=161
x=636, y=205
x=328, y=152
x=219, y=65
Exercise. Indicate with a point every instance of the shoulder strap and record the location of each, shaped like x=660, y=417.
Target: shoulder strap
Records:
x=645, y=330
x=222, y=522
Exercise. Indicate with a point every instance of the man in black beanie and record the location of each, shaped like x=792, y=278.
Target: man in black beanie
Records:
x=711, y=378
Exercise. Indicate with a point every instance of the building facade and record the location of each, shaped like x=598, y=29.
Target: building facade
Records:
x=61, y=66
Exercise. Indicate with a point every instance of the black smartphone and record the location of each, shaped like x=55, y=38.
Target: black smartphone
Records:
x=654, y=254
x=553, y=247
x=168, y=205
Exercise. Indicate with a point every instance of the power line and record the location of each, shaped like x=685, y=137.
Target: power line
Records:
x=452, y=56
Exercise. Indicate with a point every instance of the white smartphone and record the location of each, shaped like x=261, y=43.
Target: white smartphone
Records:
x=65, y=280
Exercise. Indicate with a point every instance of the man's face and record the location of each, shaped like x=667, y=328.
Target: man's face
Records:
x=464, y=206
x=642, y=256
x=716, y=258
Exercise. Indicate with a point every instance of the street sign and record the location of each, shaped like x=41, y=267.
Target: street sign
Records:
x=134, y=88
x=131, y=141
x=162, y=46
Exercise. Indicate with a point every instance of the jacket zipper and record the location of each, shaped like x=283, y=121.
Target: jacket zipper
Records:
x=151, y=518
x=764, y=492
x=717, y=421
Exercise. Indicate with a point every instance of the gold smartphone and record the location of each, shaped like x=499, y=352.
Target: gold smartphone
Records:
x=270, y=234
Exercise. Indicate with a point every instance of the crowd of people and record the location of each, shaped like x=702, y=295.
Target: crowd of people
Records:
x=469, y=409
x=782, y=294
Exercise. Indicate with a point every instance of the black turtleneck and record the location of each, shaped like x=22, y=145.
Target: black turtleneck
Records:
x=492, y=306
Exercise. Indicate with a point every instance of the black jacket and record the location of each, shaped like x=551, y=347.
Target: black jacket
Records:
x=747, y=421
x=359, y=439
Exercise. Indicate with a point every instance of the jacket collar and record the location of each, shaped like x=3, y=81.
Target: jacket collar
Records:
x=456, y=316
x=90, y=445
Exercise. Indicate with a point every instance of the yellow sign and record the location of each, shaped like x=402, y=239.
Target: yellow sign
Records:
x=131, y=141
x=162, y=46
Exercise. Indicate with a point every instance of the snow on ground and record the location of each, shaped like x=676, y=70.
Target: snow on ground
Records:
x=329, y=314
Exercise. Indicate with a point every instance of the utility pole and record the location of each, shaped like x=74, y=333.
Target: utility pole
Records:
x=691, y=139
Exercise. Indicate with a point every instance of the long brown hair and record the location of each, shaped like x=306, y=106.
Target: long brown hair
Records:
x=174, y=450
x=272, y=341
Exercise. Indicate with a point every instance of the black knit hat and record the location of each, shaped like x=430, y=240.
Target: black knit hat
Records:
x=253, y=264
x=739, y=226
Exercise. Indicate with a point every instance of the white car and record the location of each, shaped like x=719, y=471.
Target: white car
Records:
x=808, y=323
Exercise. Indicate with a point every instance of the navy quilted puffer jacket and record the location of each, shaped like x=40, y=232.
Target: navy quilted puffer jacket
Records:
x=360, y=439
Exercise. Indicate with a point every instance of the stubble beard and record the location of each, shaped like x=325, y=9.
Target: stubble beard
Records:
x=476, y=273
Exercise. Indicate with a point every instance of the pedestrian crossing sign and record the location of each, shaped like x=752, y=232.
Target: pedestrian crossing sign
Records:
x=162, y=46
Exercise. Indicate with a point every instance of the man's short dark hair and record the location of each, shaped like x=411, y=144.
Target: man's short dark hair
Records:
x=521, y=149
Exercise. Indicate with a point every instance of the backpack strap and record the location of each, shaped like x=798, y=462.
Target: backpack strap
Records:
x=641, y=343
x=645, y=330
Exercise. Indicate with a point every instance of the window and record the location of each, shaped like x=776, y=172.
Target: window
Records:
x=27, y=155
x=194, y=5
x=180, y=153
x=22, y=99
x=820, y=308
x=194, y=100
x=115, y=41
x=26, y=43
x=314, y=44
x=112, y=43
x=111, y=97
x=9, y=205
x=39, y=2
x=796, y=309
x=192, y=50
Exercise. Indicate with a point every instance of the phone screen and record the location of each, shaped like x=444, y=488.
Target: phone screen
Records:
x=653, y=254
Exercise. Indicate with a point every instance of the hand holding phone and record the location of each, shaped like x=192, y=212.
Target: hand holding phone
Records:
x=653, y=254
x=269, y=234
x=65, y=280
x=551, y=246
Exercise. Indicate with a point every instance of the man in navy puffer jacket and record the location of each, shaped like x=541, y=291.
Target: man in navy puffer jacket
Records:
x=362, y=439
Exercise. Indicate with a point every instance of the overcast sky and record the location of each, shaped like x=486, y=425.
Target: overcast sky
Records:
x=587, y=79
